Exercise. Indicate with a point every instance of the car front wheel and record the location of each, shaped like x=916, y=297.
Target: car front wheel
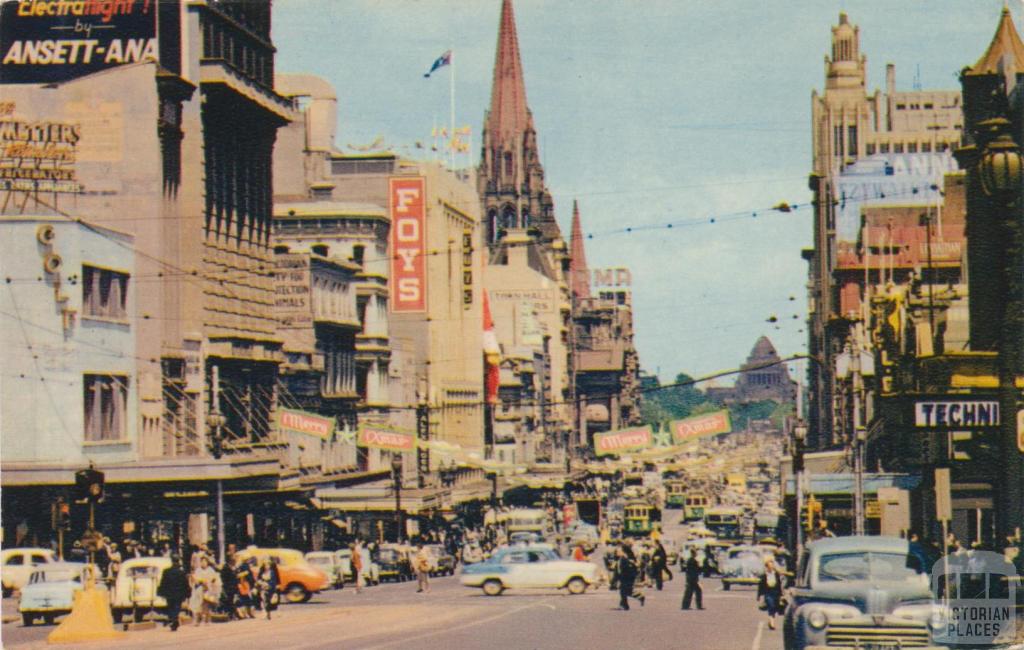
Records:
x=27, y=619
x=493, y=587
x=726, y=585
x=576, y=586
x=296, y=593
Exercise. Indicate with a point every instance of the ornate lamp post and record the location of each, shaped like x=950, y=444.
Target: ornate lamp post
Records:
x=799, y=440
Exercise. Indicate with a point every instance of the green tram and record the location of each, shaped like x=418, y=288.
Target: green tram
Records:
x=694, y=506
x=639, y=518
x=675, y=493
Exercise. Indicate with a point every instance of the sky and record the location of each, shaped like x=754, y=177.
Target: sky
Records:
x=693, y=113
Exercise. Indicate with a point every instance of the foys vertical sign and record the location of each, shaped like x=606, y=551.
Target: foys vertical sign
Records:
x=408, y=243
x=43, y=41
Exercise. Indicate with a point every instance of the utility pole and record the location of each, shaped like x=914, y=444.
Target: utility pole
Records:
x=799, y=438
x=858, y=440
x=216, y=422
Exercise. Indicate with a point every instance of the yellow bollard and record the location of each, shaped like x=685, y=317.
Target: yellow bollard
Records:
x=90, y=618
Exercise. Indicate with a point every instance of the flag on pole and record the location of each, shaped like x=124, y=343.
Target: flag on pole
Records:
x=492, y=355
x=440, y=62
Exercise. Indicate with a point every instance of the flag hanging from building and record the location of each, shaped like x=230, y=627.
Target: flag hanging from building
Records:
x=440, y=62
x=492, y=355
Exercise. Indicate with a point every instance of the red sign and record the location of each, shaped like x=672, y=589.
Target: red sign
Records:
x=407, y=198
x=617, y=442
x=387, y=439
x=699, y=426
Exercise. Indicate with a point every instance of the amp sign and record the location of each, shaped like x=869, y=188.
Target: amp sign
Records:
x=407, y=197
x=956, y=413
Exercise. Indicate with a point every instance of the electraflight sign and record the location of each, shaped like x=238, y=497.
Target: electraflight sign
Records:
x=407, y=201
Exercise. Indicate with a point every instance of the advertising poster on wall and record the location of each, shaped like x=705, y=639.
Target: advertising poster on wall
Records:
x=44, y=41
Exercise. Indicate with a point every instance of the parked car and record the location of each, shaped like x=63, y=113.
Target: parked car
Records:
x=585, y=534
x=393, y=562
x=50, y=591
x=442, y=562
x=743, y=565
x=17, y=564
x=329, y=563
x=472, y=553
x=343, y=557
x=135, y=588
x=532, y=567
x=299, y=579
x=861, y=592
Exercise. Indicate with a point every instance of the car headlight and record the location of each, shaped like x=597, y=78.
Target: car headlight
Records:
x=817, y=619
x=937, y=620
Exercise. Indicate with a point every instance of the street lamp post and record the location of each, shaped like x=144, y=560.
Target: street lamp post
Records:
x=799, y=438
x=396, y=475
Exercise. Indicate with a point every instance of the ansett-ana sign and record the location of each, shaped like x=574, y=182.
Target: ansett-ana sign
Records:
x=55, y=40
x=947, y=413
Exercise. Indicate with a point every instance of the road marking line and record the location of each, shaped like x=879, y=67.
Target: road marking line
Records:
x=756, y=645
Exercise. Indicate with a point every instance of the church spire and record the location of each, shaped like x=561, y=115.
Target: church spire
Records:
x=1005, y=48
x=509, y=117
x=579, y=274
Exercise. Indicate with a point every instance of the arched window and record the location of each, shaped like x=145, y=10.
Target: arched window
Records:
x=492, y=226
x=508, y=217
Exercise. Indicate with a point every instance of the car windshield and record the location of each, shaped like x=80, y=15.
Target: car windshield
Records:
x=865, y=566
x=319, y=560
x=745, y=554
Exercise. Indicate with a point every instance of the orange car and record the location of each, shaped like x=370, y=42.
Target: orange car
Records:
x=299, y=579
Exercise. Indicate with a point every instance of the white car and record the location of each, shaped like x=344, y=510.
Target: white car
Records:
x=136, y=586
x=529, y=567
x=50, y=591
x=17, y=564
x=328, y=562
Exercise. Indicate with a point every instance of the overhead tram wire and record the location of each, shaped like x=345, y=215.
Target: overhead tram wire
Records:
x=782, y=207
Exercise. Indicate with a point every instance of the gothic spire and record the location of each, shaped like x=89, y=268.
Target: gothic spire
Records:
x=1006, y=47
x=509, y=116
x=579, y=274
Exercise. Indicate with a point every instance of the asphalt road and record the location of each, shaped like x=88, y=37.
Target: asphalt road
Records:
x=452, y=616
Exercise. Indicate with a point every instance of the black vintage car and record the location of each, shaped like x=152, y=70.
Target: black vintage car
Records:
x=394, y=563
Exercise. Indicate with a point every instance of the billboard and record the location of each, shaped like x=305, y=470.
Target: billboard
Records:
x=386, y=439
x=408, y=210
x=302, y=422
x=699, y=426
x=44, y=41
x=623, y=440
x=888, y=179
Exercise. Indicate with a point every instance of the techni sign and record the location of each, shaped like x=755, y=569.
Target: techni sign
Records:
x=408, y=244
x=946, y=413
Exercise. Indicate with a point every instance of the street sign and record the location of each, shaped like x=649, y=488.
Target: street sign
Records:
x=943, y=499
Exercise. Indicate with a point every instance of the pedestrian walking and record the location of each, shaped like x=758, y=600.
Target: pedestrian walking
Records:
x=659, y=564
x=246, y=582
x=229, y=588
x=578, y=554
x=205, y=591
x=770, y=590
x=692, y=569
x=357, y=566
x=174, y=589
x=422, y=566
x=267, y=581
x=627, y=573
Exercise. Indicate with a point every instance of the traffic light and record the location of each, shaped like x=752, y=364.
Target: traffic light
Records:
x=811, y=514
x=64, y=516
x=89, y=485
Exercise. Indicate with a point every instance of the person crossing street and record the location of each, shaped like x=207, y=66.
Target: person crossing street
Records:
x=693, y=569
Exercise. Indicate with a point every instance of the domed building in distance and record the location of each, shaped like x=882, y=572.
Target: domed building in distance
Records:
x=762, y=377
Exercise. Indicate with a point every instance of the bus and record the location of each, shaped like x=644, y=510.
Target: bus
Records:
x=532, y=520
x=724, y=522
x=769, y=523
x=639, y=518
x=675, y=493
x=694, y=506
x=737, y=482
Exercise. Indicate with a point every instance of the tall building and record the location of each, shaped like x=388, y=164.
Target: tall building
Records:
x=888, y=149
x=168, y=141
x=527, y=266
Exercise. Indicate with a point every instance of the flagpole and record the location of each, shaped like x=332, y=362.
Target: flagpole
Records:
x=451, y=133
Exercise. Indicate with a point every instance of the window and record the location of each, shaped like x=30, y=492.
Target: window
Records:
x=104, y=293
x=851, y=140
x=897, y=148
x=911, y=147
x=15, y=560
x=106, y=398
x=870, y=149
x=883, y=148
x=358, y=251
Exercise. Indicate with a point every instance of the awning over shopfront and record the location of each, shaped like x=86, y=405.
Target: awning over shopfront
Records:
x=821, y=484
